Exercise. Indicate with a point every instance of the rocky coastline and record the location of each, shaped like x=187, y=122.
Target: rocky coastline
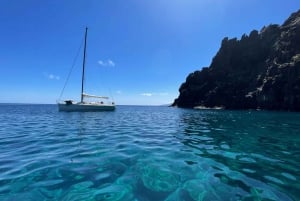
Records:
x=258, y=71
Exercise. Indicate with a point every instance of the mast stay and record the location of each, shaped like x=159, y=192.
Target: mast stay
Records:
x=71, y=70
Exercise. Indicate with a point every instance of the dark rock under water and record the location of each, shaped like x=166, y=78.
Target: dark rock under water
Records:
x=261, y=70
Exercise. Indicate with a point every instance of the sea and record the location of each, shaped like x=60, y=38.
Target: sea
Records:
x=145, y=153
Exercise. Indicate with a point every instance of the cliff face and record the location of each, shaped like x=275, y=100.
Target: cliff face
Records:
x=261, y=70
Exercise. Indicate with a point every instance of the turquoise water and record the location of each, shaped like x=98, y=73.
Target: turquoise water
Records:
x=148, y=153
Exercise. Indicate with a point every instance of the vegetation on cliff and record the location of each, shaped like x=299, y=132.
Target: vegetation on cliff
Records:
x=260, y=70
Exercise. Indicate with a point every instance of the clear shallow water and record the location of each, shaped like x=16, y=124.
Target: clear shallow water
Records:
x=148, y=153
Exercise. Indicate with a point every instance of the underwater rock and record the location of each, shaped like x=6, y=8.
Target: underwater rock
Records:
x=179, y=195
x=80, y=191
x=159, y=180
x=114, y=192
x=196, y=189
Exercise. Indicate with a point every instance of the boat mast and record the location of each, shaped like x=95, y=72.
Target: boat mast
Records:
x=83, y=64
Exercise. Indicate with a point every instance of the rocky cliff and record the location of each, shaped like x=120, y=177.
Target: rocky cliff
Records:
x=260, y=70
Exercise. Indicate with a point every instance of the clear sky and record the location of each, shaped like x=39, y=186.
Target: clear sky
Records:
x=139, y=51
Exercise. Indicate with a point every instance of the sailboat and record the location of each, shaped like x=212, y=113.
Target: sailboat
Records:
x=102, y=103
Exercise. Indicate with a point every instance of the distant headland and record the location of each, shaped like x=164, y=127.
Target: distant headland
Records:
x=259, y=71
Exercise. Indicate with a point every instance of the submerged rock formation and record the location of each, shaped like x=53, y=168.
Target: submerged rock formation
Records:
x=261, y=70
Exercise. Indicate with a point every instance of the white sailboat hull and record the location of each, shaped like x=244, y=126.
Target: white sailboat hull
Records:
x=85, y=107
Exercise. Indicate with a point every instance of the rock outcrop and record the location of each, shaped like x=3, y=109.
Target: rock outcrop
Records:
x=261, y=70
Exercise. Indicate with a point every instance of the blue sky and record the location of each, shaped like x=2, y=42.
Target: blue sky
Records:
x=139, y=51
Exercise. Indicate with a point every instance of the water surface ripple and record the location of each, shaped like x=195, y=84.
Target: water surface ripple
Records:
x=148, y=153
